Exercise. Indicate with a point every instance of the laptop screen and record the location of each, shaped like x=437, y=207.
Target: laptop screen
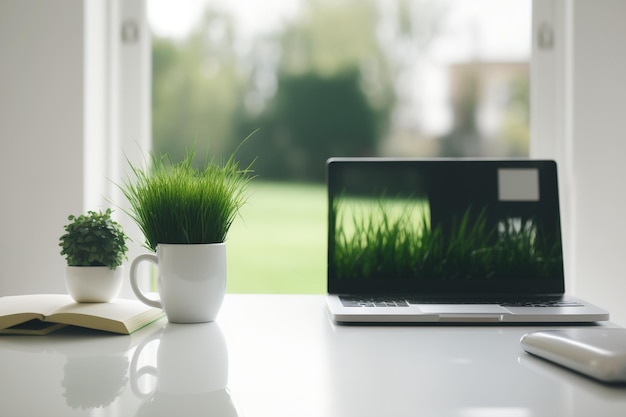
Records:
x=443, y=226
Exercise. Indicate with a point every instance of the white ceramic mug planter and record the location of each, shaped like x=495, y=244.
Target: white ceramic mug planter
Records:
x=191, y=280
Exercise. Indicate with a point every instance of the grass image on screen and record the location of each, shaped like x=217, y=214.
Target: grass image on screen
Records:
x=381, y=237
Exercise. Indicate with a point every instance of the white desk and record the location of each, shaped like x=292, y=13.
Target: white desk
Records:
x=281, y=356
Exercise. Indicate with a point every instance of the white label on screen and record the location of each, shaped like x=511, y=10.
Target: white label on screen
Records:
x=518, y=184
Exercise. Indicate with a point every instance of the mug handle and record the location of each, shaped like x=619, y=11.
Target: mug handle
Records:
x=133, y=279
x=136, y=373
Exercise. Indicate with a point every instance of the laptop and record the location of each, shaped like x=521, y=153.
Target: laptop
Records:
x=447, y=240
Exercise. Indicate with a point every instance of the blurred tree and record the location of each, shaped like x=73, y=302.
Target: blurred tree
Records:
x=312, y=118
x=464, y=138
x=323, y=84
x=516, y=125
x=196, y=85
x=335, y=83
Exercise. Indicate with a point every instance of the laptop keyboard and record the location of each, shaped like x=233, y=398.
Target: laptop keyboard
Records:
x=373, y=302
x=358, y=301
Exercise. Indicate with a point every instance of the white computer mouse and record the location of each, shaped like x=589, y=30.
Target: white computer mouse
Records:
x=596, y=352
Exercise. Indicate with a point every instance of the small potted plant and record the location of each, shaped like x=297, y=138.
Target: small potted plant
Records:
x=95, y=247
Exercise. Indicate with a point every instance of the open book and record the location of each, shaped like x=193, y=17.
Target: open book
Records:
x=44, y=313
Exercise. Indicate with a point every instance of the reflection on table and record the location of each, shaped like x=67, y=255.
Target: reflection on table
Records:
x=280, y=355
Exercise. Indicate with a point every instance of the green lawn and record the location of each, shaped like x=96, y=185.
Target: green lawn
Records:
x=279, y=243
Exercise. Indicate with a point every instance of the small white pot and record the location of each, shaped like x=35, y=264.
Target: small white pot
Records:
x=93, y=284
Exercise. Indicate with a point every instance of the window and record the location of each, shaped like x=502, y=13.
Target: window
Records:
x=331, y=78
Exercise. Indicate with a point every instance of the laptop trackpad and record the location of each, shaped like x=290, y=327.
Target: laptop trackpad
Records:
x=462, y=309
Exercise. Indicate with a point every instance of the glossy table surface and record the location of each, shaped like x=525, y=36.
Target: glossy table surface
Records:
x=280, y=355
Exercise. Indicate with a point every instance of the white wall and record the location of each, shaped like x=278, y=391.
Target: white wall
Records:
x=598, y=140
x=578, y=117
x=41, y=132
x=74, y=103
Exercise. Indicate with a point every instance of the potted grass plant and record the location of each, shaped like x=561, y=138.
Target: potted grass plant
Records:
x=185, y=212
x=94, y=246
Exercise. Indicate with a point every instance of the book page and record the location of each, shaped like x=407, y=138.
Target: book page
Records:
x=16, y=309
x=117, y=310
x=120, y=315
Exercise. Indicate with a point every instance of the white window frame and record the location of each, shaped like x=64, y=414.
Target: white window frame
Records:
x=551, y=105
x=117, y=106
